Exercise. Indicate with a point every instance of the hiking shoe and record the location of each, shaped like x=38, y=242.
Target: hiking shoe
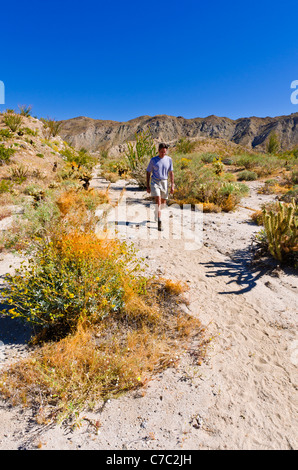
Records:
x=160, y=229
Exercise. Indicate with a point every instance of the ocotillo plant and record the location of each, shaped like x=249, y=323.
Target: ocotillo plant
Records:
x=144, y=149
x=139, y=155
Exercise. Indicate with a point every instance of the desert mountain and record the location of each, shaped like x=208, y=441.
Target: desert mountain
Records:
x=251, y=132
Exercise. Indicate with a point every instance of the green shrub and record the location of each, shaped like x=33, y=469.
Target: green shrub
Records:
x=209, y=157
x=248, y=161
x=273, y=143
x=29, y=131
x=32, y=189
x=294, y=177
x=25, y=110
x=13, y=121
x=52, y=126
x=5, y=186
x=83, y=158
x=70, y=277
x=262, y=165
x=247, y=175
x=290, y=195
x=104, y=154
x=40, y=217
x=5, y=154
x=5, y=134
x=228, y=161
x=79, y=158
x=184, y=145
x=19, y=173
x=199, y=183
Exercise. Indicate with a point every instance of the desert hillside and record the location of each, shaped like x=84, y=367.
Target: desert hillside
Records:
x=251, y=132
x=89, y=286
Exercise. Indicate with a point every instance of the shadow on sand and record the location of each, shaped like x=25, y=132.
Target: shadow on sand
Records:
x=13, y=330
x=241, y=269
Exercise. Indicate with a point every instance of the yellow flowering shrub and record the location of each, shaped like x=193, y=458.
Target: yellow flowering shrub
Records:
x=70, y=278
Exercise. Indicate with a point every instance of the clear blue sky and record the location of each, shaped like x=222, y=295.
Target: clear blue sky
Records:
x=119, y=60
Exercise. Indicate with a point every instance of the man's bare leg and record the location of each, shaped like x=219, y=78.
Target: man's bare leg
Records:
x=160, y=204
x=163, y=203
x=158, y=207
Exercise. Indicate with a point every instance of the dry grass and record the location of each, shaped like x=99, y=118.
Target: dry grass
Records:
x=211, y=207
x=175, y=287
x=110, y=176
x=274, y=187
x=116, y=355
x=28, y=146
x=220, y=146
x=5, y=212
x=257, y=217
x=71, y=202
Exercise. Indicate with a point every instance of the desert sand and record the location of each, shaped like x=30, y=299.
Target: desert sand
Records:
x=243, y=396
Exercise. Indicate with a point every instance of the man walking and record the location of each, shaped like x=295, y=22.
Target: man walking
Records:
x=161, y=167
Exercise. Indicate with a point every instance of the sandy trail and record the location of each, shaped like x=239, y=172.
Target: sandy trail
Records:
x=244, y=396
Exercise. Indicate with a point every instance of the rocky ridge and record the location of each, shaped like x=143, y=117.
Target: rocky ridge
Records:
x=251, y=132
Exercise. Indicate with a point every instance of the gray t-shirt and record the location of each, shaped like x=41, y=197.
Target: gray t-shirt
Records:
x=160, y=167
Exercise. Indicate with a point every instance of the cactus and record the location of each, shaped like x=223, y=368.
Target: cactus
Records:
x=85, y=176
x=281, y=230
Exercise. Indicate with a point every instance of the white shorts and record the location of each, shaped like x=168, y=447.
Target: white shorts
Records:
x=159, y=188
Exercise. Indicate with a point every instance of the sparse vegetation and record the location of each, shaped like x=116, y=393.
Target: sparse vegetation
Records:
x=52, y=127
x=209, y=157
x=5, y=134
x=18, y=173
x=13, y=121
x=184, y=145
x=197, y=182
x=103, y=327
x=78, y=158
x=247, y=175
x=273, y=145
x=5, y=154
x=29, y=131
x=25, y=110
x=290, y=195
x=112, y=169
x=5, y=186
